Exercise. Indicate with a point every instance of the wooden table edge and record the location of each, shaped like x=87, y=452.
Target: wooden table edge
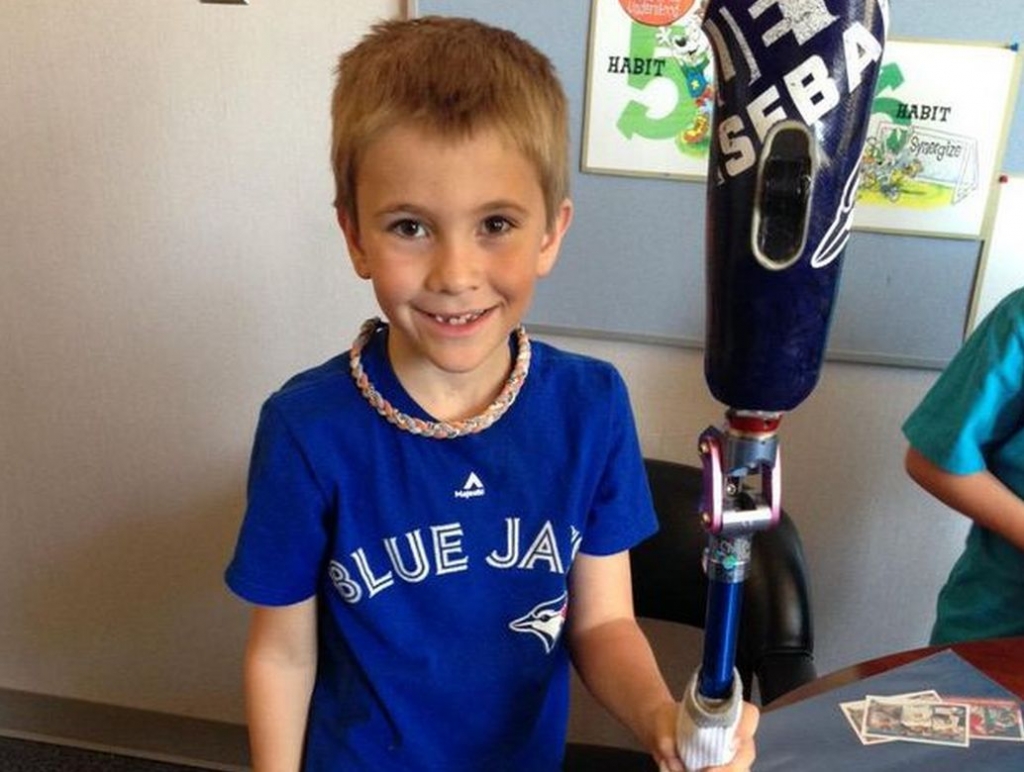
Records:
x=994, y=657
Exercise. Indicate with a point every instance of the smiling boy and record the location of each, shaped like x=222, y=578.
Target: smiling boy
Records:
x=439, y=519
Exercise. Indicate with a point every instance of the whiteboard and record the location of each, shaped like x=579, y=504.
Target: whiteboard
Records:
x=1002, y=264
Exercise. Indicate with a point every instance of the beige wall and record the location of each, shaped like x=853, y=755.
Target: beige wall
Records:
x=168, y=256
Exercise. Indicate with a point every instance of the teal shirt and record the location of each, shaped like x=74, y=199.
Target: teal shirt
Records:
x=972, y=419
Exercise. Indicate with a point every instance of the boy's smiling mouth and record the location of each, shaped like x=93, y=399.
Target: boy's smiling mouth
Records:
x=459, y=319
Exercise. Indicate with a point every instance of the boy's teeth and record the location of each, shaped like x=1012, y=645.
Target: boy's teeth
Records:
x=456, y=320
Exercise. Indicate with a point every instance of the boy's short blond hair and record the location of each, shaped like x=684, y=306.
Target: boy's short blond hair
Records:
x=452, y=77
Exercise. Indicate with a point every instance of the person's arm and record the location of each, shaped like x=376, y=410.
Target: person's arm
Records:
x=280, y=666
x=980, y=496
x=615, y=661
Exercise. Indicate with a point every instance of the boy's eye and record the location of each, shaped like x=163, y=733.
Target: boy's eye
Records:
x=497, y=224
x=409, y=229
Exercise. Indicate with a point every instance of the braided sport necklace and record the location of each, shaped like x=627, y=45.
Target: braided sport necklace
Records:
x=441, y=430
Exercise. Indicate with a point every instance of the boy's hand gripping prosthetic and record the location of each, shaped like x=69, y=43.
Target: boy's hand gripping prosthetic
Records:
x=795, y=80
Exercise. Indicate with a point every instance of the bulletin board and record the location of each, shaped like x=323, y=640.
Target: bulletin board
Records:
x=632, y=265
x=1002, y=263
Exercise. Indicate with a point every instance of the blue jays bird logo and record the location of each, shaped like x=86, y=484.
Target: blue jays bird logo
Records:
x=545, y=620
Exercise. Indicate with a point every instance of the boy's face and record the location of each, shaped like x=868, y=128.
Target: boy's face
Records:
x=453, y=234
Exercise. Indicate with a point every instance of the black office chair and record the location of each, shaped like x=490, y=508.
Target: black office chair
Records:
x=776, y=637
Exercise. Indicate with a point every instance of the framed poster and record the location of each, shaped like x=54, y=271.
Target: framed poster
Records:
x=936, y=137
x=649, y=90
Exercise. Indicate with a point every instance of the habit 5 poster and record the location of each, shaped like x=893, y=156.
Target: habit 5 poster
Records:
x=650, y=90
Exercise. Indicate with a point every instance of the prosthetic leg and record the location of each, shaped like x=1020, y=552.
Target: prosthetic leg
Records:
x=795, y=80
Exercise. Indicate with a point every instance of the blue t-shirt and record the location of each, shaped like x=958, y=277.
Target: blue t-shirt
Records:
x=440, y=566
x=972, y=419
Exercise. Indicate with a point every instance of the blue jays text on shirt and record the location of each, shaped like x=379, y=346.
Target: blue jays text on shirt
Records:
x=437, y=550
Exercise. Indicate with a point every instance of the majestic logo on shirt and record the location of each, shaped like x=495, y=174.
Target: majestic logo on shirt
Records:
x=472, y=488
x=545, y=620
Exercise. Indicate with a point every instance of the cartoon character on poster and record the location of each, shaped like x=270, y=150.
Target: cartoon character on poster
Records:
x=692, y=52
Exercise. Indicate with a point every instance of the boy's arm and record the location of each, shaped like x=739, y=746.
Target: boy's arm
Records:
x=615, y=661
x=280, y=666
x=980, y=496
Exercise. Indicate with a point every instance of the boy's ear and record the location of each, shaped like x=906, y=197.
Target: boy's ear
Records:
x=553, y=238
x=355, y=250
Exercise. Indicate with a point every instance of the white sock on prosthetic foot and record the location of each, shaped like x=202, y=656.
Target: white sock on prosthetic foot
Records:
x=706, y=729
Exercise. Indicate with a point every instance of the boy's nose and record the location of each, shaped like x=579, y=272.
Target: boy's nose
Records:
x=455, y=267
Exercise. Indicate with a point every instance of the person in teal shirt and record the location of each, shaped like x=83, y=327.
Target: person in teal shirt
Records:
x=967, y=449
